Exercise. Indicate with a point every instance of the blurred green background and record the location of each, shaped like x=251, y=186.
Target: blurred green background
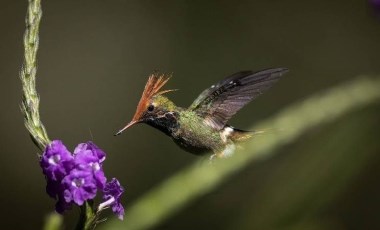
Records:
x=95, y=57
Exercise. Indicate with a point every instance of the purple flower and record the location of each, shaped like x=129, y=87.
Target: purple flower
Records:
x=56, y=161
x=53, y=188
x=91, y=149
x=75, y=179
x=112, y=197
x=79, y=186
x=61, y=206
x=87, y=156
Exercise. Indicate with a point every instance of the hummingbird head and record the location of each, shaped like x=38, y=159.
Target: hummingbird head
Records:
x=152, y=104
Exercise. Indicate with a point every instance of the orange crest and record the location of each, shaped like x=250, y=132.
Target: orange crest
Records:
x=152, y=88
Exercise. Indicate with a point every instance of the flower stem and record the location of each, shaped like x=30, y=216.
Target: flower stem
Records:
x=30, y=98
x=88, y=218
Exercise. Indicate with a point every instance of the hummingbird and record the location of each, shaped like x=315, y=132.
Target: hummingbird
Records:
x=202, y=127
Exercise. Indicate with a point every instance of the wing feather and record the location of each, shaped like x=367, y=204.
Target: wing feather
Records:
x=221, y=101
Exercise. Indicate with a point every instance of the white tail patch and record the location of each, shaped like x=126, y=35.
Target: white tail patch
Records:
x=226, y=133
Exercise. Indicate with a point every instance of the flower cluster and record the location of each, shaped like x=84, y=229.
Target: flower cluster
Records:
x=76, y=178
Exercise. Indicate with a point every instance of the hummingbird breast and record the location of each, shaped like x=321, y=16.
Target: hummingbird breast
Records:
x=194, y=136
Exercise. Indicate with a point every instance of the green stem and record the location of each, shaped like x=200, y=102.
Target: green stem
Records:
x=87, y=218
x=196, y=180
x=30, y=98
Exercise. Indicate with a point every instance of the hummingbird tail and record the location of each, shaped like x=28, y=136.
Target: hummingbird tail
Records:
x=239, y=135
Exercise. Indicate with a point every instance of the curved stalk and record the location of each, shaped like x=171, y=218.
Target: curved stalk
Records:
x=30, y=98
x=198, y=179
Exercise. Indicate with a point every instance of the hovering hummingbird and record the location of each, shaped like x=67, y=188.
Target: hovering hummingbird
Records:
x=203, y=127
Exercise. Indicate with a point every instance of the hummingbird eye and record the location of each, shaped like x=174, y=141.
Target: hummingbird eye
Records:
x=150, y=108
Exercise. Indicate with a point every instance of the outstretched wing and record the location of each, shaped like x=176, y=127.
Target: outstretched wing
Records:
x=221, y=101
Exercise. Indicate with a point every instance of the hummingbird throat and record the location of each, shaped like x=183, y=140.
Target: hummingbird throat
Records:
x=167, y=122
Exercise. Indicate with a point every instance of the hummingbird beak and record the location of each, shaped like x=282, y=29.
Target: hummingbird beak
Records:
x=126, y=127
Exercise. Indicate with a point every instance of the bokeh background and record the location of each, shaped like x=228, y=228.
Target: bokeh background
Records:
x=95, y=57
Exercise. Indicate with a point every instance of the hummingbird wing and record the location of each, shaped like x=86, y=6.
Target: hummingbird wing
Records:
x=221, y=101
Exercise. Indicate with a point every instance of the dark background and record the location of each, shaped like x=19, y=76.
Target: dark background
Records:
x=94, y=59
